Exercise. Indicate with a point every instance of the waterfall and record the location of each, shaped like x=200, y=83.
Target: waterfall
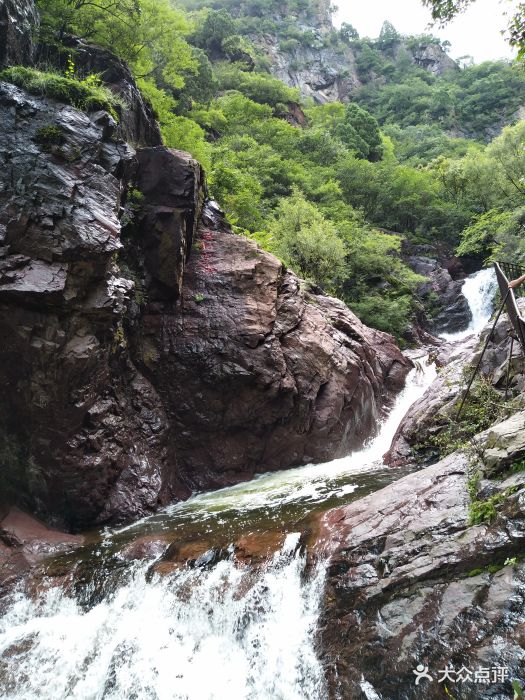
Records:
x=479, y=290
x=195, y=634
x=223, y=630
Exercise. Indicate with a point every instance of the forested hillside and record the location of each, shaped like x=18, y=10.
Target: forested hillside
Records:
x=419, y=149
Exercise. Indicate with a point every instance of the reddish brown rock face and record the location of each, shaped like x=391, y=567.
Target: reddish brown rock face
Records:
x=260, y=374
x=25, y=541
x=135, y=372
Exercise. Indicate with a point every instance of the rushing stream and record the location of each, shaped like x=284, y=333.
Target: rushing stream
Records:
x=124, y=629
x=479, y=290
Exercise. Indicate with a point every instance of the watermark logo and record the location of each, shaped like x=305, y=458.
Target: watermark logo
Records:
x=421, y=673
x=485, y=675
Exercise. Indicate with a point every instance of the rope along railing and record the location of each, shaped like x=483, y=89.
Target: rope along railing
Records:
x=515, y=315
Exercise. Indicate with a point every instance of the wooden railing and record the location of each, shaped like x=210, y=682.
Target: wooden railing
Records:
x=505, y=272
x=512, y=272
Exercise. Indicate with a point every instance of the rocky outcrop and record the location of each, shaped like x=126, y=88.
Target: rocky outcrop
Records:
x=320, y=71
x=503, y=444
x=446, y=309
x=18, y=18
x=432, y=58
x=132, y=376
x=411, y=582
x=432, y=412
x=318, y=61
x=76, y=412
x=25, y=542
x=137, y=124
x=258, y=372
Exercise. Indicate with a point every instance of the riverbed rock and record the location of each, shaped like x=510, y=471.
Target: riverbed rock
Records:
x=25, y=541
x=411, y=582
x=439, y=404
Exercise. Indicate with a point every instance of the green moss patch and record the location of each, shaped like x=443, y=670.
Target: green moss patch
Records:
x=87, y=95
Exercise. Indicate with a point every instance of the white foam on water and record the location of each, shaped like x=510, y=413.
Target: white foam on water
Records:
x=479, y=290
x=229, y=631
x=196, y=634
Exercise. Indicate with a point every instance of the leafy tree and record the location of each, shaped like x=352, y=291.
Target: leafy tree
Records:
x=148, y=34
x=496, y=235
x=185, y=135
x=307, y=241
x=508, y=150
x=388, y=36
x=359, y=131
x=214, y=27
x=348, y=32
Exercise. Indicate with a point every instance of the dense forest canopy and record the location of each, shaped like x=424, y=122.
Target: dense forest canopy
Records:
x=330, y=188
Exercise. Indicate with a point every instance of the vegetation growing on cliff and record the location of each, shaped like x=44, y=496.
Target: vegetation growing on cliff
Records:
x=87, y=94
x=355, y=179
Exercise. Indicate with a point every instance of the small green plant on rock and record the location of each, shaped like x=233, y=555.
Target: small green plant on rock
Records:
x=486, y=510
x=135, y=199
x=519, y=692
x=484, y=407
x=49, y=136
x=199, y=298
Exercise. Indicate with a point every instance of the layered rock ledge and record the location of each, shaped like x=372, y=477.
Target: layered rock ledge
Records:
x=411, y=582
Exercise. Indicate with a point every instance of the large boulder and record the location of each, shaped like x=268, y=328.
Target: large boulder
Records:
x=258, y=371
x=411, y=581
x=18, y=19
x=133, y=376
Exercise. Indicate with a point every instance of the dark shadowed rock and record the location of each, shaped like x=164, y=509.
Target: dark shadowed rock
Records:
x=71, y=394
x=447, y=310
x=173, y=186
x=18, y=19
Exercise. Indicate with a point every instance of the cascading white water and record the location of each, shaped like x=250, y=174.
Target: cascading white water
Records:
x=204, y=633
x=196, y=634
x=479, y=290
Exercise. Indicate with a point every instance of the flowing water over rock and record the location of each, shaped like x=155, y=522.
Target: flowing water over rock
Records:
x=214, y=597
x=209, y=624
x=479, y=289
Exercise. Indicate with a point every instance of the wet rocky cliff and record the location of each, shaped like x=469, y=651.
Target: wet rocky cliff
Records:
x=148, y=351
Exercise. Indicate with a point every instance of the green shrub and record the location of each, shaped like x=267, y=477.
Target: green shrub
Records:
x=48, y=136
x=484, y=511
x=87, y=94
x=483, y=407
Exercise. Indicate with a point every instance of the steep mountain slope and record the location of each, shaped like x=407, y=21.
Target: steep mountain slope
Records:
x=304, y=49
